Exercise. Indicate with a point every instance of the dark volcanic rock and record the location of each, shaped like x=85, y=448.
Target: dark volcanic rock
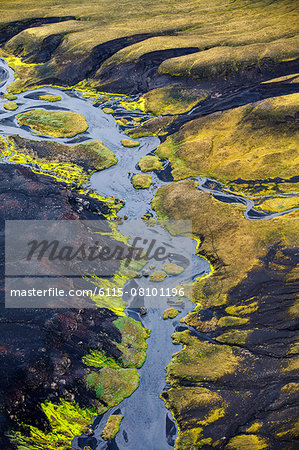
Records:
x=41, y=349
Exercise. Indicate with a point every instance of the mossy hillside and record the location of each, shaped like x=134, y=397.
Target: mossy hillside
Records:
x=186, y=402
x=249, y=23
x=148, y=163
x=225, y=232
x=70, y=163
x=172, y=100
x=142, y=181
x=277, y=204
x=152, y=127
x=50, y=98
x=98, y=358
x=66, y=421
x=204, y=27
x=253, y=142
x=200, y=361
x=53, y=123
x=111, y=427
x=234, y=337
x=225, y=61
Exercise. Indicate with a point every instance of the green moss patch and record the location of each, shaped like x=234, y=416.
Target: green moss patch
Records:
x=111, y=427
x=170, y=313
x=157, y=275
x=71, y=163
x=173, y=269
x=237, y=337
x=108, y=110
x=113, y=385
x=50, y=97
x=66, y=421
x=231, y=321
x=141, y=181
x=148, y=163
x=98, y=358
x=278, y=204
x=10, y=97
x=129, y=143
x=152, y=127
x=172, y=100
x=133, y=344
x=10, y=106
x=246, y=441
x=199, y=361
x=54, y=123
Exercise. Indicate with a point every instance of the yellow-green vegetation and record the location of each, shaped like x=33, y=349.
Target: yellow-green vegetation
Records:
x=157, y=275
x=53, y=123
x=108, y=110
x=184, y=400
x=89, y=94
x=246, y=441
x=231, y=321
x=111, y=427
x=253, y=142
x=292, y=388
x=129, y=143
x=132, y=105
x=292, y=431
x=170, y=313
x=10, y=97
x=98, y=358
x=292, y=78
x=254, y=427
x=148, y=163
x=241, y=310
x=10, y=106
x=172, y=100
x=70, y=163
x=234, y=337
x=292, y=365
x=294, y=349
x=258, y=32
x=107, y=298
x=224, y=61
x=50, y=97
x=67, y=420
x=277, y=204
x=225, y=232
x=152, y=127
x=113, y=385
x=199, y=361
x=4, y=150
x=173, y=269
x=133, y=344
x=142, y=181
